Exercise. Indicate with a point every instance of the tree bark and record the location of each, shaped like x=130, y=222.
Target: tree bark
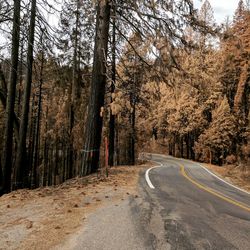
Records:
x=93, y=129
x=133, y=132
x=39, y=110
x=5, y=183
x=244, y=76
x=21, y=169
x=3, y=99
x=112, y=116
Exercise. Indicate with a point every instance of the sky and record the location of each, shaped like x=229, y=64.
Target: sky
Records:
x=222, y=8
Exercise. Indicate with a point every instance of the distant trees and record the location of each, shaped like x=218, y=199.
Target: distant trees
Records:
x=235, y=72
x=204, y=116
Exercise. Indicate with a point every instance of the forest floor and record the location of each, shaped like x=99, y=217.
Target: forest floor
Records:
x=45, y=217
x=233, y=174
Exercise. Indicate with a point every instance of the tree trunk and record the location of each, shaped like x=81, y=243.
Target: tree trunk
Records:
x=19, y=105
x=112, y=116
x=31, y=145
x=37, y=139
x=117, y=149
x=173, y=145
x=181, y=147
x=21, y=169
x=75, y=84
x=191, y=145
x=170, y=151
x=244, y=76
x=5, y=183
x=3, y=99
x=133, y=134
x=93, y=130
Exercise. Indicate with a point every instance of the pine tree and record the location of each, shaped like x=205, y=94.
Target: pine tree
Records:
x=216, y=141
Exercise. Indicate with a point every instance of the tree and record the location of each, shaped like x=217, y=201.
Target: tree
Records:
x=216, y=141
x=111, y=140
x=8, y=139
x=206, y=16
x=93, y=130
x=21, y=163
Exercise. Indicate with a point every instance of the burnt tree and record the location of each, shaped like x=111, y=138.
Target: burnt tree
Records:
x=93, y=129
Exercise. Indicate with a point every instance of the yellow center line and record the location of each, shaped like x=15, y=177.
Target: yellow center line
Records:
x=243, y=206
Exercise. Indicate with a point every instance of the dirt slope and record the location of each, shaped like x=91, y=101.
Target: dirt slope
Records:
x=45, y=217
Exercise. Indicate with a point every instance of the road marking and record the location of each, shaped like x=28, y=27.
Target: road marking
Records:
x=216, y=176
x=147, y=176
x=213, y=174
x=183, y=172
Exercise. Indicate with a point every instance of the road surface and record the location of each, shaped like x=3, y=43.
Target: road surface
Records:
x=180, y=206
x=197, y=210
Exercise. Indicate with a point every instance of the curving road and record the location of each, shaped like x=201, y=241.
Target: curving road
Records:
x=195, y=209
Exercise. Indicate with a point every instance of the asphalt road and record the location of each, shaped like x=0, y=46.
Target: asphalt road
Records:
x=180, y=206
x=188, y=208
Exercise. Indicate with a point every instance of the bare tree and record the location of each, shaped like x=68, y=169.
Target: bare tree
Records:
x=9, y=123
x=21, y=165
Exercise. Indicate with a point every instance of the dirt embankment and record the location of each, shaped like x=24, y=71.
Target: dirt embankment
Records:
x=233, y=174
x=43, y=218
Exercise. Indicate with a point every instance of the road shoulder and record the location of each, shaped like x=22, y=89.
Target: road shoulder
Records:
x=47, y=217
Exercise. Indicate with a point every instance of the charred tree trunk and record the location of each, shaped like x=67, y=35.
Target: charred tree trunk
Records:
x=21, y=169
x=5, y=183
x=132, y=139
x=45, y=151
x=37, y=136
x=3, y=99
x=74, y=93
x=117, y=149
x=31, y=145
x=19, y=105
x=187, y=145
x=93, y=130
x=112, y=116
x=191, y=146
x=181, y=147
x=170, y=148
x=75, y=84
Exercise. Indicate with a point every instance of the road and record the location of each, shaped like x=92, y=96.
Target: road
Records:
x=180, y=206
x=193, y=209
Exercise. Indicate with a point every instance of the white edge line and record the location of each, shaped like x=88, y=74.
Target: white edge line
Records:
x=216, y=176
x=147, y=176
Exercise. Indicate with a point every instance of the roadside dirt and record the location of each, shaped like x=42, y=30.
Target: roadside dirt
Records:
x=45, y=217
x=232, y=174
